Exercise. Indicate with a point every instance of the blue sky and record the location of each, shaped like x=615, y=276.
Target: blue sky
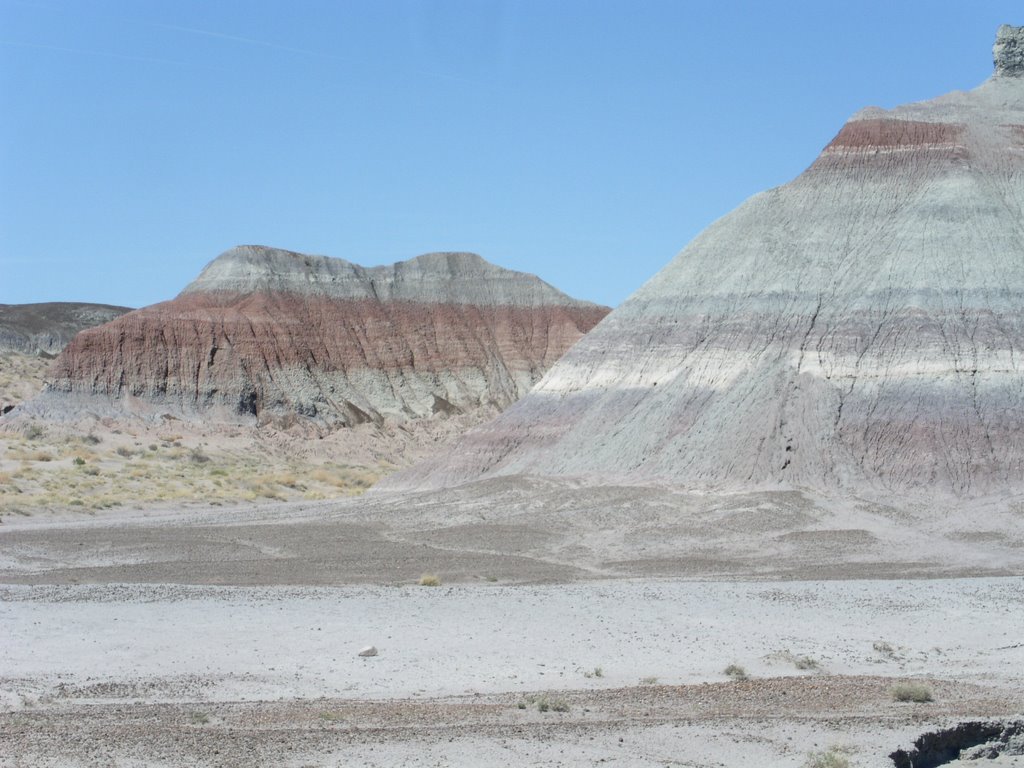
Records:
x=586, y=142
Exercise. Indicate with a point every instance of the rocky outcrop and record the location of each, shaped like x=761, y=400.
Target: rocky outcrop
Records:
x=1008, y=52
x=265, y=335
x=859, y=329
x=45, y=329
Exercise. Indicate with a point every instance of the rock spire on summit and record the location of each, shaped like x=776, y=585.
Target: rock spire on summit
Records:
x=1008, y=52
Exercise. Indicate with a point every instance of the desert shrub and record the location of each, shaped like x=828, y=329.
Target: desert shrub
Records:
x=648, y=680
x=736, y=672
x=544, y=704
x=197, y=456
x=830, y=758
x=595, y=672
x=805, y=662
x=884, y=648
x=33, y=432
x=124, y=451
x=91, y=439
x=79, y=461
x=917, y=693
x=430, y=580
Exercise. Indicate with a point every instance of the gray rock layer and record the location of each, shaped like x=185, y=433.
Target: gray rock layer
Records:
x=1008, y=52
x=860, y=328
x=45, y=329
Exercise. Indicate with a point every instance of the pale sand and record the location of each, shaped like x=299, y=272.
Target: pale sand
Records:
x=229, y=637
x=125, y=674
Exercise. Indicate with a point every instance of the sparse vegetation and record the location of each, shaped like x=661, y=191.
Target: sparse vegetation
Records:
x=595, y=672
x=805, y=662
x=199, y=718
x=917, y=693
x=197, y=456
x=544, y=704
x=736, y=672
x=885, y=649
x=76, y=471
x=833, y=757
x=430, y=580
x=652, y=680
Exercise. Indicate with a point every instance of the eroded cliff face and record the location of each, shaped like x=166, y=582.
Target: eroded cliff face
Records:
x=860, y=328
x=265, y=335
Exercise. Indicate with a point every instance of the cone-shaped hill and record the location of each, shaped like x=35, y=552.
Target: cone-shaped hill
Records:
x=265, y=335
x=859, y=328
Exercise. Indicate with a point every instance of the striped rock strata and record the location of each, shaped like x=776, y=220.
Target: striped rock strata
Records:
x=266, y=335
x=859, y=329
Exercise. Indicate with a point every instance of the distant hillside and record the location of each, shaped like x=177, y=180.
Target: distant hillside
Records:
x=45, y=329
x=268, y=336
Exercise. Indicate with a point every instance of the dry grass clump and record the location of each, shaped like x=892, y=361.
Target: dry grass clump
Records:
x=885, y=649
x=917, y=693
x=805, y=662
x=833, y=757
x=736, y=672
x=545, y=704
x=430, y=580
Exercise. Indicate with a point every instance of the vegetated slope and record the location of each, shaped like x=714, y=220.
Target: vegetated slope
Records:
x=271, y=336
x=32, y=334
x=860, y=328
x=45, y=329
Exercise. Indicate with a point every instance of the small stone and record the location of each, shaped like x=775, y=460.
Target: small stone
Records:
x=370, y=650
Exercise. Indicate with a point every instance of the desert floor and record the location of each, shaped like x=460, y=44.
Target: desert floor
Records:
x=230, y=636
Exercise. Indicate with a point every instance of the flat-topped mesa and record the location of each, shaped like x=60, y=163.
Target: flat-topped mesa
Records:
x=1008, y=52
x=456, y=278
x=268, y=335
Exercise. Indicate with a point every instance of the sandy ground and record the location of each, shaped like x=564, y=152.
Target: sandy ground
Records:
x=146, y=674
x=157, y=675
x=230, y=637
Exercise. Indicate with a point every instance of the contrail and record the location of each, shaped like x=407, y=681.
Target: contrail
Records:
x=249, y=40
x=88, y=52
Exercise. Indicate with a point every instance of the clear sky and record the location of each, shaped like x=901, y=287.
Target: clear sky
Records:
x=586, y=141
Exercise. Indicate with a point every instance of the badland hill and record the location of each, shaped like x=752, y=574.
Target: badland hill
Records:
x=858, y=330
x=271, y=336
